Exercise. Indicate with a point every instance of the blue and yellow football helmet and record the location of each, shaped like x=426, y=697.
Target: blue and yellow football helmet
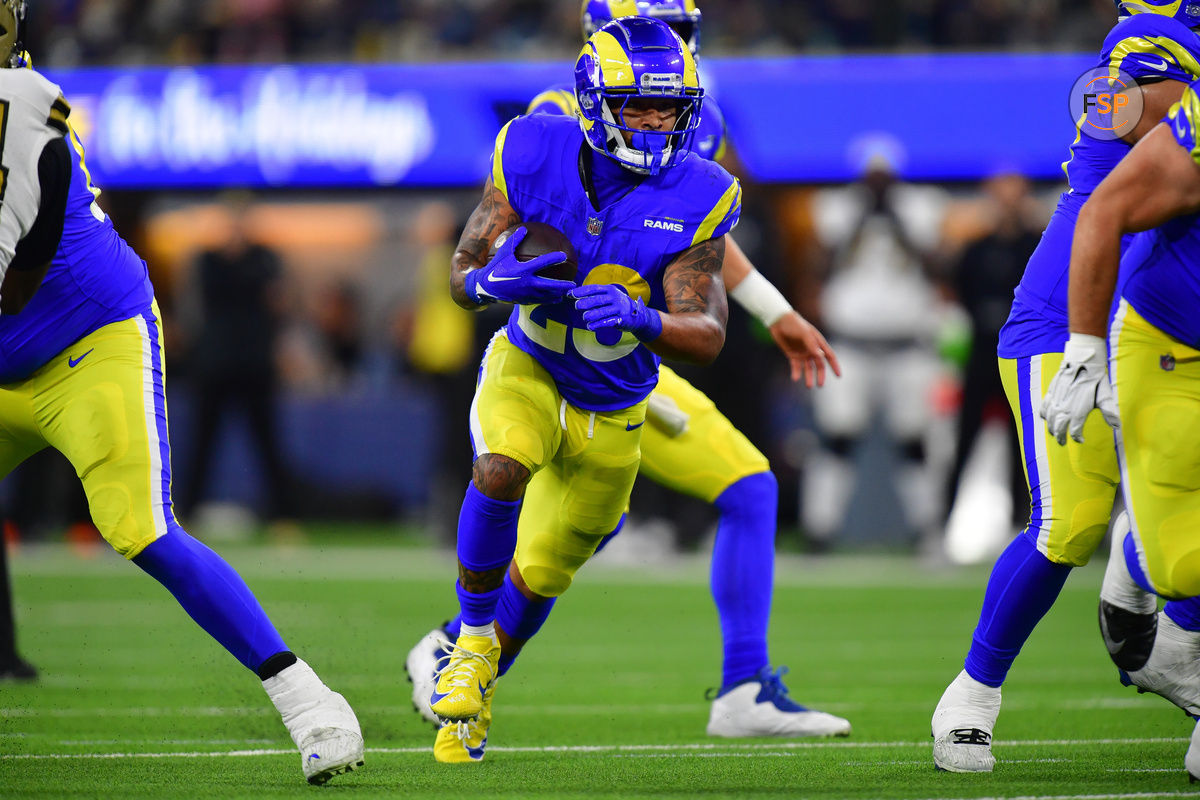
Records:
x=681, y=15
x=1186, y=11
x=636, y=58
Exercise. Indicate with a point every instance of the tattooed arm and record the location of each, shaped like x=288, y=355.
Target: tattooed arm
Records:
x=693, y=329
x=490, y=218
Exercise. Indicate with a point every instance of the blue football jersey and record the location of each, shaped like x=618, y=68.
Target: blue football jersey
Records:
x=629, y=242
x=95, y=279
x=1143, y=46
x=707, y=142
x=1160, y=272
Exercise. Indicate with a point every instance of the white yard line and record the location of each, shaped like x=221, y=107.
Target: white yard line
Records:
x=715, y=748
x=521, y=709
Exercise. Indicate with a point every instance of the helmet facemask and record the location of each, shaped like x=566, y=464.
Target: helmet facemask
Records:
x=648, y=151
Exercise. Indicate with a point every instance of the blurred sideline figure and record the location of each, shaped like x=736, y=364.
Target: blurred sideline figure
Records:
x=1072, y=488
x=691, y=447
x=82, y=371
x=235, y=298
x=441, y=350
x=880, y=309
x=983, y=278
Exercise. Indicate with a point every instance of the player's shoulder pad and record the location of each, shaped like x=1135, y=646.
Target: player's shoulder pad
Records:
x=557, y=99
x=708, y=198
x=1184, y=117
x=30, y=92
x=526, y=144
x=1153, y=46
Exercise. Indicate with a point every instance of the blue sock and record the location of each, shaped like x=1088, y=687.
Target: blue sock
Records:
x=1129, y=547
x=519, y=617
x=743, y=573
x=478, y=608
x=1023, y=586
x=1185, y=613
x=213, y=595
x=454, y=627
x=487, y=539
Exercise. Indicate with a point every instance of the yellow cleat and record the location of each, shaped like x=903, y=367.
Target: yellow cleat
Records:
x=468, y=673
x=463, y=742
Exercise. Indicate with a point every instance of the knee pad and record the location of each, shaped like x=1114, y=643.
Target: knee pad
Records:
x=547, y=581
x=111, y=507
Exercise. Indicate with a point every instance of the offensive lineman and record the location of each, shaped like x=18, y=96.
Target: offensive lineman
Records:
x=689, y=446
x=81, y=370
x=1154, y=365
x=1072, y=488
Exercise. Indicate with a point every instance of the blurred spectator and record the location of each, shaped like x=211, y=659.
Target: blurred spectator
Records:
x=73, y=33
x=441, y=346
x=879, y=310
x=233, y=356
x=338, y=322
x=983, y=280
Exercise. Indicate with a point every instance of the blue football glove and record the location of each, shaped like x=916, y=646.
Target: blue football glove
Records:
x=606, y=306
x=505, y=279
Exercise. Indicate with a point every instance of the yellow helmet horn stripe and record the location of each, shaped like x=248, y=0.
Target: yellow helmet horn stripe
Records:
x=614, y=63
x=618, y=72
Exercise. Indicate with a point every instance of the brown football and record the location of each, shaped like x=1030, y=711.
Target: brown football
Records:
x=540, y=239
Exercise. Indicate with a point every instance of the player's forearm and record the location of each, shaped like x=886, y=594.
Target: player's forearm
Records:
x=694, y=337
x=490, y=218
x=735, y=266
x=462, y=262
x=1095, y=259
x=693, y=329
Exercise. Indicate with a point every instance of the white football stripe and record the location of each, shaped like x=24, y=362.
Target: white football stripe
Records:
x=692, y=748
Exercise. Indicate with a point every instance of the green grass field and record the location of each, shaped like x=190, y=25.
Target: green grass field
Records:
x=135, y=701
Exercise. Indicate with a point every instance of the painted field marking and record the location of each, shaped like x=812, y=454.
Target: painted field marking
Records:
x=750, y=749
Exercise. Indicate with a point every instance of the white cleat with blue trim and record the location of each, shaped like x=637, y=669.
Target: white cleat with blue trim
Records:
x=320, y=722
x=421, y=665
x=760, y=706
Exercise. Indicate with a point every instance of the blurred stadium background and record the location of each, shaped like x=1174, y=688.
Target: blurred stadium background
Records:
x=346, y=140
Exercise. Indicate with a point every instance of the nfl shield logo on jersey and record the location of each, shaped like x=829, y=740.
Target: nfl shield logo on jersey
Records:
x=1167, y=362
x=594, y=224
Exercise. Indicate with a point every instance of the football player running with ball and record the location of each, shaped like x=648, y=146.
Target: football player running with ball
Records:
x=560, y=407
x=689, y=446
x=1153, y=400
x=81, y=370
x=1072, y=488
